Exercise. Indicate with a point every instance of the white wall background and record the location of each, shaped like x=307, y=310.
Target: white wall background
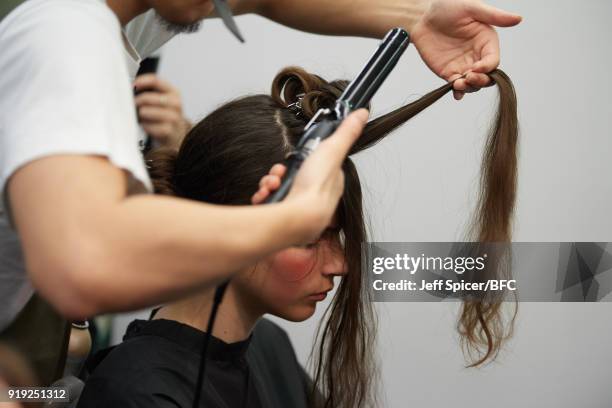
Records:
x=420, y=186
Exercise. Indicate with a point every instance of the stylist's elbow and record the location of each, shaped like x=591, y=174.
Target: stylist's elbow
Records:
x=71, y=277
x=59, y=204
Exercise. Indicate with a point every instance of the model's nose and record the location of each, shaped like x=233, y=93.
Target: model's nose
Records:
x=333, y=260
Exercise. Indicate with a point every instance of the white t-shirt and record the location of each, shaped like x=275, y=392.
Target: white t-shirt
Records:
x=65, y=88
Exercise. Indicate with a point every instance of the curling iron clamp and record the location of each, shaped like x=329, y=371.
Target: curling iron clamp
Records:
x=357, y=95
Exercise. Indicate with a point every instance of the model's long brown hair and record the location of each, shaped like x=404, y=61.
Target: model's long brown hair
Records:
x=225, y=155
x=482, y=324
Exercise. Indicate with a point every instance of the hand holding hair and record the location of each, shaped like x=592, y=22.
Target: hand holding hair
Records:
x=455, y=37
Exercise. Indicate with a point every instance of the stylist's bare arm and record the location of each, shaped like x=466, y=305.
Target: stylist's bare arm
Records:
x=90, y=249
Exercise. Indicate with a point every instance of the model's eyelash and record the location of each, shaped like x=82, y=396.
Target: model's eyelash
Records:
x=335, y=233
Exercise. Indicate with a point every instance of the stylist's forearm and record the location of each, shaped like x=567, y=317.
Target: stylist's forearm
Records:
x=196, y=246
x=365, y=18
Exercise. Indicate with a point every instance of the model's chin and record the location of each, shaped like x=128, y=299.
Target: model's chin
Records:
x=298, y=313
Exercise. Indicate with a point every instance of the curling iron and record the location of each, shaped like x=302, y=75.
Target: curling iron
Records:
x=357, y=95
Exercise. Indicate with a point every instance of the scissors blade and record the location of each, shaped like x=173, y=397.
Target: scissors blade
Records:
x=224, y=11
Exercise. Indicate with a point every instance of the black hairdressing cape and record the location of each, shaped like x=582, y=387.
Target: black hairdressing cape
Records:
x=157, y=366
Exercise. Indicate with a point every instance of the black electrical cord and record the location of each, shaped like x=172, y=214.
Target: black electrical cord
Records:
x=219, y=292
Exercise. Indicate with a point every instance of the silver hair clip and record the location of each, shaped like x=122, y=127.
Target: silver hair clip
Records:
x=296, y=107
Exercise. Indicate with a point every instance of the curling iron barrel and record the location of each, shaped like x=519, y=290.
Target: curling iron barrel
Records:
x=357, y=95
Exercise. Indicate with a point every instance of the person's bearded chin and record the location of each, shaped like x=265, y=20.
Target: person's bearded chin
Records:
x=179, y=28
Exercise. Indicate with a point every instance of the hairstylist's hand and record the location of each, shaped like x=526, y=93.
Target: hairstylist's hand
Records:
x=160, y=110
x=319, y=184
x=457, y=36
x=269, y=183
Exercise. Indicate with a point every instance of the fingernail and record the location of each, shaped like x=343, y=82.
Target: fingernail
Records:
x=363, y=114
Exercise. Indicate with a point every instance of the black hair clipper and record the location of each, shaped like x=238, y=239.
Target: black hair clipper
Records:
x=357, y=95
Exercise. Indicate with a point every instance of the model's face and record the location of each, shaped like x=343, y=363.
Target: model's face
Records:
x=182, y=15
x=290, y=283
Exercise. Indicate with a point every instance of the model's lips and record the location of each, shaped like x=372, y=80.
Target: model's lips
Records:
x=319, y=296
